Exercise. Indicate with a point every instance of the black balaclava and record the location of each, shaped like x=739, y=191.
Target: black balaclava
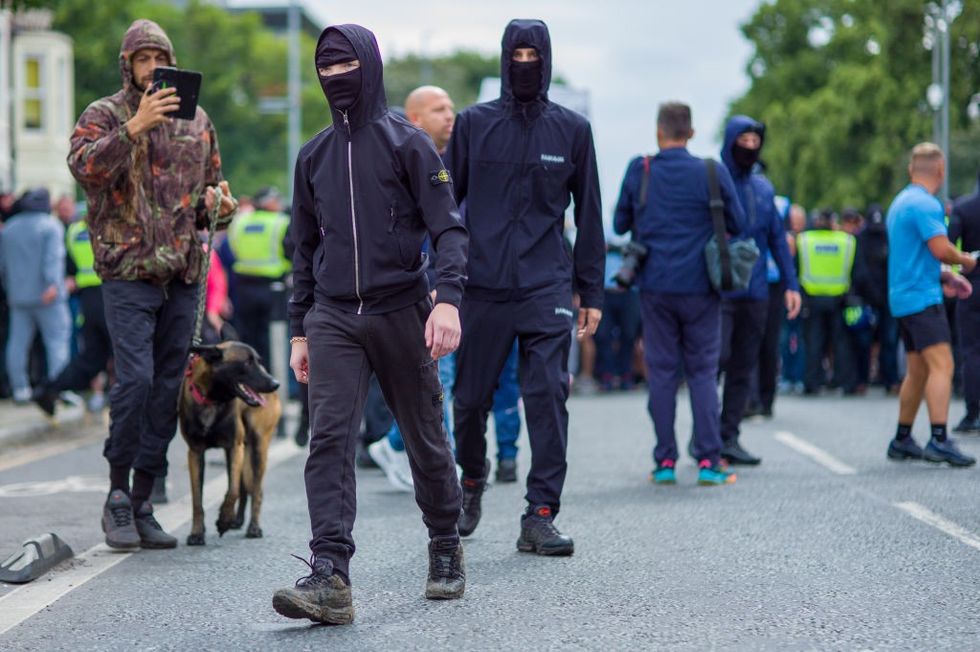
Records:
x=525, y=77
x=340, y=90
x=745, y=157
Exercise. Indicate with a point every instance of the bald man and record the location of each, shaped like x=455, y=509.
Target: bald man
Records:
x=431, y=109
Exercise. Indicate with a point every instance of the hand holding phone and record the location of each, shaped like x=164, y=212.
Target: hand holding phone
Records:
x=155, y=105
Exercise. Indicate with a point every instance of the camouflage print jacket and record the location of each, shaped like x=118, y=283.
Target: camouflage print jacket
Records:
x=145, y=196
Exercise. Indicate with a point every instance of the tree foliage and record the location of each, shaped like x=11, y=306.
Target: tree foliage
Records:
x=841, y=86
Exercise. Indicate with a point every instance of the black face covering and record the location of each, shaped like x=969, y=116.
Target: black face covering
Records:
x=525, y=79
x=744, y=157
x=342, y=90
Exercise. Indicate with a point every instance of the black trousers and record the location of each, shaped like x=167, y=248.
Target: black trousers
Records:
x=344, y=350
x=743, y=324
x=151, y=328
x=95, y=345
x=256, y=305
x=823, y=329
x=769, y=351
x=542, y=326
x=968, y=324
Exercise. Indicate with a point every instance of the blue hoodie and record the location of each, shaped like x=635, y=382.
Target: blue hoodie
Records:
x=765, y=226
x=32, y=251
x=517, y=166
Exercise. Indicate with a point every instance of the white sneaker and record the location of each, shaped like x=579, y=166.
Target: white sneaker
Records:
x=393, y=463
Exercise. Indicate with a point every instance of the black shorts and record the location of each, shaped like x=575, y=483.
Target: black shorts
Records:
x=924, y=329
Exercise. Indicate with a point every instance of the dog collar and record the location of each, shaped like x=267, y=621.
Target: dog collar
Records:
x=196, y=392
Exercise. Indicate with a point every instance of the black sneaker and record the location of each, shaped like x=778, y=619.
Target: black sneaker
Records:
x=45, y=399
x=946, y=451
x=968, y=426
x=159, y=494
x=507, y=470
x=904, y=449
x=151, y=533
x=734, y=454
x=447, y=575
x=539, y=534
x=321, y=596
x=469, y=516
x=117, y=522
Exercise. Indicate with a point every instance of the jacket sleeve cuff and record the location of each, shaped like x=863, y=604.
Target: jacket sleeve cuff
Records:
x=592, y=299
x=450, y=294
x=296, y=328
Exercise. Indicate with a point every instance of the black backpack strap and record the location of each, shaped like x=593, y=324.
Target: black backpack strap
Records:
x=717, y=205
x=645, y=183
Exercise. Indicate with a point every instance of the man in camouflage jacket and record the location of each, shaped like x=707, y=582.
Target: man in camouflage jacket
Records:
x=149, y=180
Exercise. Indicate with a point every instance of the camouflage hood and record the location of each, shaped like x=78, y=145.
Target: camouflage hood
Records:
x=141, y=35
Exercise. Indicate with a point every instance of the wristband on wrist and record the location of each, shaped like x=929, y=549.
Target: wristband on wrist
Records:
x=297, y=339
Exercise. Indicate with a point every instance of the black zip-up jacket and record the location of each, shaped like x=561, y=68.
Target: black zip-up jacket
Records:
x=517, y=165
x=367, y=190
x=964, y=224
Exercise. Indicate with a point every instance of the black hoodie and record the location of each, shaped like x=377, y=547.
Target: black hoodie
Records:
x=367, y=191
x=964, y=226
x=518, y=165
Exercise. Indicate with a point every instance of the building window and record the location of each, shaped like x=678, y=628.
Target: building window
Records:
x=33, y=96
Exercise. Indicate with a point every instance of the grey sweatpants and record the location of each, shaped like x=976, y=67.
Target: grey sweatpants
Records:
x=54, y=322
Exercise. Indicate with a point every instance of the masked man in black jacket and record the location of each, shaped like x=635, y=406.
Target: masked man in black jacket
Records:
x=517, y=161
x=367, y=191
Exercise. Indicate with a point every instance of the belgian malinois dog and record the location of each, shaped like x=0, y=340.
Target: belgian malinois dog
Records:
x=228, y=401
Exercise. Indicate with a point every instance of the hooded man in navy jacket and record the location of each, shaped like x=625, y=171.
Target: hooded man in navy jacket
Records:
x=517, y=161
x=368, y=190
x=744, y=312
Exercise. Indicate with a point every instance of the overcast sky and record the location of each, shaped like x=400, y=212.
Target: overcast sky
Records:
x=629, y=54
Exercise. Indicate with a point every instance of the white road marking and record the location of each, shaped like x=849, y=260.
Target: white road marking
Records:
x=22, y=603
x=71, y=484
x=820, y=456
x=15, y=458
x=917, y=511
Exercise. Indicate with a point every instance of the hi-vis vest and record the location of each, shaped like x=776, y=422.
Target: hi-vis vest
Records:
x=256, y=241
x=826, y=261
x=79, y=247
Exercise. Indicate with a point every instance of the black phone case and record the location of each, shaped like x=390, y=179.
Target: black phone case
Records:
x=188, y=85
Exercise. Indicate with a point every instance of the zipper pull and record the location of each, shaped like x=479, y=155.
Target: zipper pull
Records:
x=391, y=223
x=346, y=122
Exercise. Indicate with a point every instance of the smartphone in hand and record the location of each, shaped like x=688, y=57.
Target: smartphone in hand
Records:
x=188, y=85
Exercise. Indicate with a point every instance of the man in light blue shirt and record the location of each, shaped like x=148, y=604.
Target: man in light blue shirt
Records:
x=918, y=245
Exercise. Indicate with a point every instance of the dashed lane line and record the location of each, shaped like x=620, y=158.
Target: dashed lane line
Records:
x=917, y=511
x=22, y=603
x=818, y=455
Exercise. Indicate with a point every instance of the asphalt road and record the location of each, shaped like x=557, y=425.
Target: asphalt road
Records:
x=826, y=546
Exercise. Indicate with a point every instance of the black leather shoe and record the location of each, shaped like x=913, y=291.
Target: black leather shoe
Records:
x=447, y=575
x=472, y=510
x=539, y=534
x=507, y=470
x=45, y=399
x=734, y=454
x=968, y=426
x=321, y=596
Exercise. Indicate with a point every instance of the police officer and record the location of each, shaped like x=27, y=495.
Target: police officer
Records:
x=257, y=241
x=95, y=347
x=964, y=229
x=826, y=258
x=520, y=276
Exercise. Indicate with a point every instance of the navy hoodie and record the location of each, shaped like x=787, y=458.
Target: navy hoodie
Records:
x=517, y=165
x=964, y=224
x=367, y=191
x=765, y=226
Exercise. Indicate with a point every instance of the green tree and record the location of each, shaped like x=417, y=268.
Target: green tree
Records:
x=841, y=86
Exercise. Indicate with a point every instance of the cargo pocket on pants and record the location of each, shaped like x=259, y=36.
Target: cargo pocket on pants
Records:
x=430, y=393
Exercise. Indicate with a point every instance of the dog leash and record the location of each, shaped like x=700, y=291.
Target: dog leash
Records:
x=202, y=294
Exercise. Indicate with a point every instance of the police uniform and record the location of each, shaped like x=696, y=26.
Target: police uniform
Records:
x=826, y=259
x=95, y=346
x=256, y=240
x=964, y=229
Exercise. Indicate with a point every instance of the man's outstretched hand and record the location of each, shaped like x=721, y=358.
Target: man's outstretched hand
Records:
x=442, y=330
